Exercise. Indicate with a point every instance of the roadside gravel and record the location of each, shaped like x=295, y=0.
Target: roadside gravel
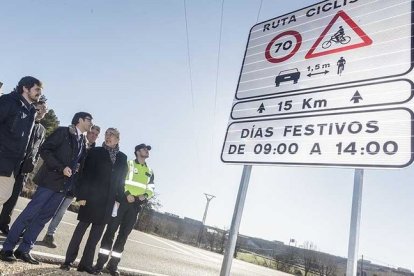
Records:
x=48, y=266
x=21, y=268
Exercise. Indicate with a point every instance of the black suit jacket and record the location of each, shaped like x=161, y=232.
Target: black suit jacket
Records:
x=58, y=151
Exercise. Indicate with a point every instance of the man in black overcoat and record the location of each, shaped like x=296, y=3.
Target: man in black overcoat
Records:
x=101, y=187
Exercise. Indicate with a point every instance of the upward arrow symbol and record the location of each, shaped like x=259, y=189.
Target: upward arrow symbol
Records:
x=357, y=97
x=261, y=108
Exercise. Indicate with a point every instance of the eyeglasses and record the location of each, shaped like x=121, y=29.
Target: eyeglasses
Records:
x=89, y=119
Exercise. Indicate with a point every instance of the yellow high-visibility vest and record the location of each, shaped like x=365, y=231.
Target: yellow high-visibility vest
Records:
x=139, y=180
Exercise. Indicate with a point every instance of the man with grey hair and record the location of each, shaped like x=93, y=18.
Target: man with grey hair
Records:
x=139, y=188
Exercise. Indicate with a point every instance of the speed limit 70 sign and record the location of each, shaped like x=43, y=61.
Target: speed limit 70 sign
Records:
x=330, y=43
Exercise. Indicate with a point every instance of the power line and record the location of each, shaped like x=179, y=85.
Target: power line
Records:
x=216, y=87
x=218, y=58
x=188, y=56
x=260, y=9
x=191, y=82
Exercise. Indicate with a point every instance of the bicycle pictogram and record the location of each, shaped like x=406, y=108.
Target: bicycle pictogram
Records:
x=338, y=37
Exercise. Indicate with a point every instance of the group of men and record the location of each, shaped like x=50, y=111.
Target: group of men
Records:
x=22, y=142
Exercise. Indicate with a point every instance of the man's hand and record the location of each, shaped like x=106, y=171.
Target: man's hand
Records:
x=67, y=172
x=82, y=202
x=130, y=198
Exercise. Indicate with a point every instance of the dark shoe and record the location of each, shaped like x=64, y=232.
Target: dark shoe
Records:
x=7, y=256
x=4, y=229
x=25, y=257
x=98, y=270
x=49, y=241
x=113, y=271
x=66, y=266
x=86, y=269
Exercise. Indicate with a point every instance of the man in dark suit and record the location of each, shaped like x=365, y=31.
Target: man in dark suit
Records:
x=32, y=155
x=49, y=239
x=62, y=152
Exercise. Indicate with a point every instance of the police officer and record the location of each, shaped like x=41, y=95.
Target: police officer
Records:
x=139, y=187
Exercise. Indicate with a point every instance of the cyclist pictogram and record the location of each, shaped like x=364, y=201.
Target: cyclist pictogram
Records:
x=341, y=65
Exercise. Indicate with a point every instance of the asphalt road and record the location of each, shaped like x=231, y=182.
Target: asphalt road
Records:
x=151, y=255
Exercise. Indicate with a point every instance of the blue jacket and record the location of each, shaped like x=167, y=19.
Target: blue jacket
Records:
x=16, y=123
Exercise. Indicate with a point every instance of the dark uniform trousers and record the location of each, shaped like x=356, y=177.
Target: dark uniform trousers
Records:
x=89, y=252
x=125, y=220
x=8, y=206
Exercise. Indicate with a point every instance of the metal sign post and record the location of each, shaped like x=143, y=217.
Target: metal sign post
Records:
x=235, y=223
x=355, y=223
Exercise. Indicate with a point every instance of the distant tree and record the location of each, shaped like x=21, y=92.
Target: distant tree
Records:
x=309, y=257
x=284, y=262
x=50, y=122
x=223, y=240
x=144, y=217
x=326, y=265
x=180, y=231
x=213, y=237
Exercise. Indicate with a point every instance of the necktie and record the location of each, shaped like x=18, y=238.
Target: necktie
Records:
x=80, y=141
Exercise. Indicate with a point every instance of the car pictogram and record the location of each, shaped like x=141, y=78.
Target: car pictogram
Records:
x=288, y=75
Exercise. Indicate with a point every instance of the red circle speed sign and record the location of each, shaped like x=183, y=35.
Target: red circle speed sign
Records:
x=286, y=46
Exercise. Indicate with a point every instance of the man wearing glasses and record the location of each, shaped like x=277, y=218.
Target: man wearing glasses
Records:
x=62, y=152
x=49, y=239
x=32, y=155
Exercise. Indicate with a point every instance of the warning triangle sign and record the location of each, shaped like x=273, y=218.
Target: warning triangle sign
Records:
x=337, y=39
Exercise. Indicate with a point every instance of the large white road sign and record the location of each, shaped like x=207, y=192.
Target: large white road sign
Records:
x=329, y=43
x=378, y=94
x=357, y=139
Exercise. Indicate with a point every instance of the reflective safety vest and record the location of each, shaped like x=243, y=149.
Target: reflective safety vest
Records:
x=139, y=180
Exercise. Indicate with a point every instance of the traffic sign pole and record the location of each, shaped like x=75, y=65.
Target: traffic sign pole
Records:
x=355, y=223
x=235, y=223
